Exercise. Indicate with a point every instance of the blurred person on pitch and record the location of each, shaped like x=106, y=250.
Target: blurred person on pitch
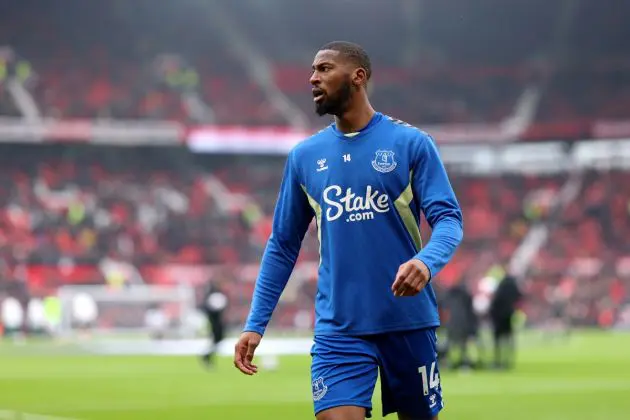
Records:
x=462, y=327
x=156, y=321
x=84, y=313
x=559, y=299
x=213, y=305
x=11, y=317
x=503, y=307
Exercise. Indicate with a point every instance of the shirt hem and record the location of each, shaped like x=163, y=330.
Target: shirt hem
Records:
x=388, y=329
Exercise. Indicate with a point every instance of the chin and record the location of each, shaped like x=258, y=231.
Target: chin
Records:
x=327, y=108
x=321, y=109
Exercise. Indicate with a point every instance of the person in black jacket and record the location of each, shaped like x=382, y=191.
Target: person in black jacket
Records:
x=502, y=308
x=461, y=324
x=214, y=304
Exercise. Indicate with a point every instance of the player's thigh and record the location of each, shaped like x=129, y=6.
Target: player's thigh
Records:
x=347, y=412
x=343, y=373
x=410, y=374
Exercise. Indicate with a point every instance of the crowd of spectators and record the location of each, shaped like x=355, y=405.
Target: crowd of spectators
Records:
x=585, y=260
x=77, y=206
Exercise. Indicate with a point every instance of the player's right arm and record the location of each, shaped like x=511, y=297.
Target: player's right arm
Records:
x=291, y=219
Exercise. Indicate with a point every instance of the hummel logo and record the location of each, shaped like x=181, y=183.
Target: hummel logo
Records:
x=322, y=165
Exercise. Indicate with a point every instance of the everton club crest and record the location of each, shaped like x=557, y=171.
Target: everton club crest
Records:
x=384, y=161
x=319, y=389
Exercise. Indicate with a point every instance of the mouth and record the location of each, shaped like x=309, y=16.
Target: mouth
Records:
x=318, y=95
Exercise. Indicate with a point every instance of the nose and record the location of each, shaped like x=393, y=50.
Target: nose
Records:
x=314, y=79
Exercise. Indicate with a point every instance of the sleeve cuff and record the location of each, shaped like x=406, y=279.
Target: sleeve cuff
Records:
x=427, y=265
x=257, y=330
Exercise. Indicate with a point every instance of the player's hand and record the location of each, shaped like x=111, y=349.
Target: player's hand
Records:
x=411, y=278
x=244, y=352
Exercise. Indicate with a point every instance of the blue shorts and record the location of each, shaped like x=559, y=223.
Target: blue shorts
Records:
x=345, y=368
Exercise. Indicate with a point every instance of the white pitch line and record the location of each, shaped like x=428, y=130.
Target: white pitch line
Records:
x=17, y=415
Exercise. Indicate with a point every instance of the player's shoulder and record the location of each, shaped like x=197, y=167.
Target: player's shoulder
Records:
x=314, y=143
x=408, y=131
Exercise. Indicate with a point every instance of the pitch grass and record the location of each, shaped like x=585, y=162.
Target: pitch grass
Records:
x=584, y=378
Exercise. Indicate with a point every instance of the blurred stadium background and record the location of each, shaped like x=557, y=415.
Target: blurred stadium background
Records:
x=141, y=149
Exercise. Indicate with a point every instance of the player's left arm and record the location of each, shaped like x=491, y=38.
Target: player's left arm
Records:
x=440, y=206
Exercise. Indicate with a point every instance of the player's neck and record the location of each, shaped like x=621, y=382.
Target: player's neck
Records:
x=355, y=118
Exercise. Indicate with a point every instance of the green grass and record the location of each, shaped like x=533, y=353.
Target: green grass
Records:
x=585, y=378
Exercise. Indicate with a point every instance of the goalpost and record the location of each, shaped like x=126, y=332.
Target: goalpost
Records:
x=135, y=311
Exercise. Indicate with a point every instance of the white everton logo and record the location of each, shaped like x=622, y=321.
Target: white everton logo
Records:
x=384, y=161
x=319, y=389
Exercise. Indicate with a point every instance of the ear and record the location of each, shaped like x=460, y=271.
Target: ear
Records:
x=359, y=77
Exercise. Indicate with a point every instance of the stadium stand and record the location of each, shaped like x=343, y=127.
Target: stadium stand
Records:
x=586, y=255
x=84, y=70
x=78, y=205
x=75, y=205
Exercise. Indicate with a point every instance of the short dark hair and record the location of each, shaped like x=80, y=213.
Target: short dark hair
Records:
x=352, y=52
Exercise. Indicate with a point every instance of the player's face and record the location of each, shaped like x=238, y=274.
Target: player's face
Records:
x=332, y=83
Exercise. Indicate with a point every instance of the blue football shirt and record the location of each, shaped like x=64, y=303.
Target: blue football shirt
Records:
x=367, y=192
